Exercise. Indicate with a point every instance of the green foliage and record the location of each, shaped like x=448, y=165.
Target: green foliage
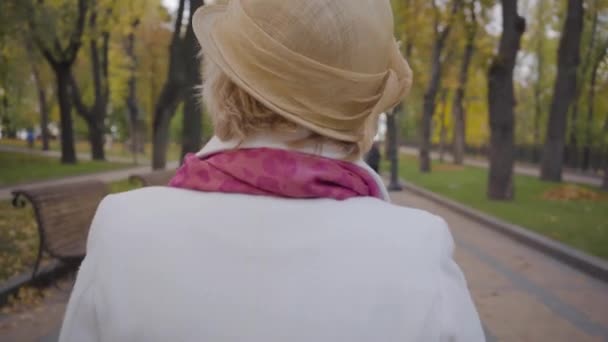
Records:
x=535, y=71
x=414, y=21
x=414, y=25
x=21, y=21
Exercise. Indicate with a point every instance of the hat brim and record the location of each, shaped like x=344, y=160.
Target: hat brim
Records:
x=203, y=23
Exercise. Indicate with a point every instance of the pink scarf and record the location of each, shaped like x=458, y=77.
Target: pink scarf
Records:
x=275, y=172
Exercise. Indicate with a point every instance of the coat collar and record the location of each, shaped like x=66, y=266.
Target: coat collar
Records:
x=280, y=141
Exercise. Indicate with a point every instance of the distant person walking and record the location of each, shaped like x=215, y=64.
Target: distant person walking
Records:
x=30, y=137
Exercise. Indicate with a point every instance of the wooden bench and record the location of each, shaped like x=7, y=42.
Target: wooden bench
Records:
x=63, y=214
x=155, y=178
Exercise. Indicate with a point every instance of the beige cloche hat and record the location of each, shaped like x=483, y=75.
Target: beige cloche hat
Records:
x=328, y=65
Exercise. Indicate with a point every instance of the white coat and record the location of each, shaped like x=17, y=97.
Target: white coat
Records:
x=166, y=264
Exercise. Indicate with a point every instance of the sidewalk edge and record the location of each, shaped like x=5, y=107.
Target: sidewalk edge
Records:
x=577, y=259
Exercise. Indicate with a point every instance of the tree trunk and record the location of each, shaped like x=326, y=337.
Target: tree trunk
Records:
x=68, y=153
x=605, y=181
x=95, y=115
x=61, y=59
x=575, y=125
x=192, y=135
x=605, y=132
x=459, y=112
x=501, y=100
x=588, y=63
x=9, y=129
x=392, y=154
x=171, y=94
x=459, y=139
x=443, y=128
x=160, y=138
x=135, y=120
x=390, y=127
x=433, y=87
x=591, y=104
x=538, y=85
x=564, y=92
x=429, y=109
x=44, y=119
x=572, y=141
x=538, y=110
x=96, y=140
x=42, y=107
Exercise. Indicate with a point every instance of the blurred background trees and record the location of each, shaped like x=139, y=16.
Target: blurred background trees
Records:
x=102, y=70
x=559, y=117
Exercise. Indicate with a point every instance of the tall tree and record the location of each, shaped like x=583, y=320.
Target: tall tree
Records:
x=136, y=18
x=392, y=144
x=392, y=135
x=60, y=51
x=540, y=74
x=470, y=25
x=443, y=129
x=564, y=92
x=404, y=10
x=41, y=91
x=95, y=114
x=605, y=179
x=441, y=33
x=599, y=58
x=192, y=134
x=501, y=100
x=589, y=49
x=135, y=119
x=171, y=93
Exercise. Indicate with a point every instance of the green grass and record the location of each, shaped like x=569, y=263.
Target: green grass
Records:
x=117, y=149
x=20, y=167
x=579, y=223
x=19, y=235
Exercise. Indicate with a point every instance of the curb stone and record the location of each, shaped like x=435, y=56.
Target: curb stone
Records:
x=581, y=261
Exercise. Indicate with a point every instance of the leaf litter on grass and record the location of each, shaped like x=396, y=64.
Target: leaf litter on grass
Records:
x=571, y=192
x=18, y=240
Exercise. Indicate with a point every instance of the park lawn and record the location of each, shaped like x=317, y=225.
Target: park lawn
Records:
x=116, y=149
x=18, y=168
x=580, y=223
x=19, y=235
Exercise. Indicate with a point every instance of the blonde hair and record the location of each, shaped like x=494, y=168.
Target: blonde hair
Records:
x=237, y=115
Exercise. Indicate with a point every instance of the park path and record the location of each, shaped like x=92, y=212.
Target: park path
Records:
x=520, y=168
x=521, y=294
x=109, y=176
